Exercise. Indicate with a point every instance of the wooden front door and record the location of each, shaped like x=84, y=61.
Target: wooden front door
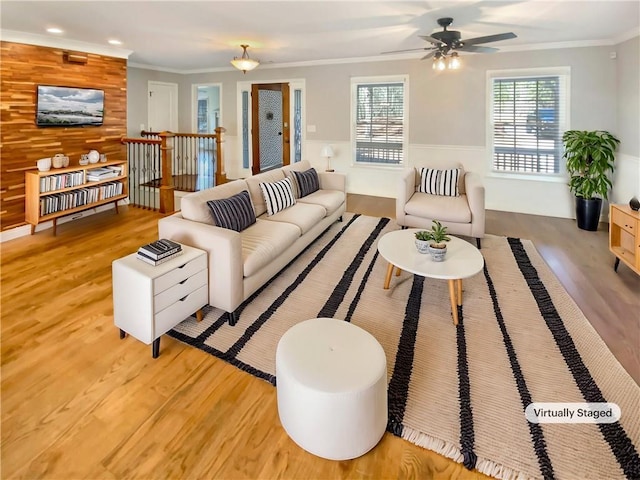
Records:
x=270, y=126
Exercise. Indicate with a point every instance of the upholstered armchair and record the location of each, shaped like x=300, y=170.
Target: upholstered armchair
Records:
x=437, y=195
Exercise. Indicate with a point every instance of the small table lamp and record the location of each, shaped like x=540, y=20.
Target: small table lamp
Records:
x=327, y=152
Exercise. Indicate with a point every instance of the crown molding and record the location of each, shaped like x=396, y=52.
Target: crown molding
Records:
x=64, y=43
x=623, y=37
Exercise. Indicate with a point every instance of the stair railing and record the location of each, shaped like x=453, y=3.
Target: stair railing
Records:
x=185, y=162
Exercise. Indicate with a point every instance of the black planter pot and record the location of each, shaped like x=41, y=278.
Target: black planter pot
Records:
x=588, y=213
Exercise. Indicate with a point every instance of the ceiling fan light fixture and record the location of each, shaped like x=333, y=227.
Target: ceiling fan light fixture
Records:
x=244, y=63
x=454, y=61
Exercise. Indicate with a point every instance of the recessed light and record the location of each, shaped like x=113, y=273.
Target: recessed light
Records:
x=115, y=42
x=54, y=30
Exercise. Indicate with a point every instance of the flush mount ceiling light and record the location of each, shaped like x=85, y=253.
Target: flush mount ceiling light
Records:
x=244, y=63
x=54, y=30
x=113, y=41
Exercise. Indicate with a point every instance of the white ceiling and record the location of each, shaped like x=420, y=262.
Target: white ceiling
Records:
x=190, y=36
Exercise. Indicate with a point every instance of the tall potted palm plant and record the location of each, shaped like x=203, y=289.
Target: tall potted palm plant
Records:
x=590, y=157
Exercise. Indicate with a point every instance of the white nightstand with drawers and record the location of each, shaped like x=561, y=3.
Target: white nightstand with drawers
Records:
x=148, y=300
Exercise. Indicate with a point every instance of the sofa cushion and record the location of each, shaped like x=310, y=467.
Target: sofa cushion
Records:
x=277, y=195
x=234, y=213
x=288, y=170
x=307, y=181
x=304, y=215
x=425, y=205
x=294, y=184
x=329, y=199
x=439, y=182
x=253, y=183
x=300, y=166
x=194, y=207
x=264, y=241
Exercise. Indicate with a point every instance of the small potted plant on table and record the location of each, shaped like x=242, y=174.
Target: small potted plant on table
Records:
x=438, y=246
x=422, y=241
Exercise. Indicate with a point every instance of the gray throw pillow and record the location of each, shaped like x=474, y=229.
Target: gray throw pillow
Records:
x=308, y=181
x=234, y=213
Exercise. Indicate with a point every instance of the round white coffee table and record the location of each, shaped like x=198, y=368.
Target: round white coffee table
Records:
x=463, y=260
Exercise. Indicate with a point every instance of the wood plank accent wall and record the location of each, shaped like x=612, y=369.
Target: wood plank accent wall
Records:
x=22, y=69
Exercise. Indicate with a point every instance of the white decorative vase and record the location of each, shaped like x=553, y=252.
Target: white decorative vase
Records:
x=94, y=156
x=44, y=164
x=438, y=254
x=422, y=246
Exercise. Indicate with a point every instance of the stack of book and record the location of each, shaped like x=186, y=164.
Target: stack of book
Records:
x=159, y=251
x=101, y=173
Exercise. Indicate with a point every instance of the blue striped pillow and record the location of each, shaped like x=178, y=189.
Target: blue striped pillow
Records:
x=234, y=213
x=277, y=195
x=439, y=182
x=308, y=181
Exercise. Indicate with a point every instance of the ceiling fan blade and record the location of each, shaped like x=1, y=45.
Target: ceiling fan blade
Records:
x=435, y=41
x=406, y=50
x=429, y=55
x=489, y=38
x=477, y=49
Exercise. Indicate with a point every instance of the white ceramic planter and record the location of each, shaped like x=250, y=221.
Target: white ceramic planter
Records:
x=422, y=246
x=438, y=254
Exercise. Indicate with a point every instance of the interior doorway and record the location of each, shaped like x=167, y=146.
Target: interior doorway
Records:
x=270, y=126
x=207, y=108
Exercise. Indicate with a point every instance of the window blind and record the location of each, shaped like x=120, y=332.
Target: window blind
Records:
x=528, y=115
x=379, y=123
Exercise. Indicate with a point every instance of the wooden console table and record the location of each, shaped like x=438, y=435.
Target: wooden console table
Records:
x=624, y=236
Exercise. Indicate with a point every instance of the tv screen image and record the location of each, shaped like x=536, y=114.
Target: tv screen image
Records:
x=69, y=106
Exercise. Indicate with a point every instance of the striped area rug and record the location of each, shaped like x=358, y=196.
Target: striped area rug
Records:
x=460, y=391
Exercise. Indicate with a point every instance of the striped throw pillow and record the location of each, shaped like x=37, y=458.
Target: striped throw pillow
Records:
x=439, y=182
x=277, y=195
x=234, y=213
x=308, y=181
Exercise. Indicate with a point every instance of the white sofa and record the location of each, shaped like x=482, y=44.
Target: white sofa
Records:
x=463, y=214
x=241, y=262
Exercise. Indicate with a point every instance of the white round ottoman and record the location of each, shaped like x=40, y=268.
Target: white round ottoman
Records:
x=331, y=379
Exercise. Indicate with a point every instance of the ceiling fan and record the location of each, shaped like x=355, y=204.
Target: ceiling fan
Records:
x=448, y=42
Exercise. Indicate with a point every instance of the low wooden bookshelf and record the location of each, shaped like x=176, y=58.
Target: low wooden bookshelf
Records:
x=624, y=236
x=64, y=191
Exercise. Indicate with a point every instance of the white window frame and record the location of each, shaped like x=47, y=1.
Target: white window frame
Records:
x=564, y=74
x=355, y=81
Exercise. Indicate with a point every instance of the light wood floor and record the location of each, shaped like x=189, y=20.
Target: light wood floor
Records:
x=78, y=402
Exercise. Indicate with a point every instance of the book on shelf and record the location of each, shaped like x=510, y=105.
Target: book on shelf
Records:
x=160, y=249
x=101, y=173
x=141, y=256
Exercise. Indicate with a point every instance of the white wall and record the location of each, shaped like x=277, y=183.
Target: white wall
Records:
x=626, y=183
x=448, y=118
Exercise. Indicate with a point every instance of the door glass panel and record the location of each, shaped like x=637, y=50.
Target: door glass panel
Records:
x=245, y=129
x=270, y=118
x=297, y=125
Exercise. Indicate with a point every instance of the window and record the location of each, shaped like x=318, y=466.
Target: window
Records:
x=528, y=115
x=379, y=111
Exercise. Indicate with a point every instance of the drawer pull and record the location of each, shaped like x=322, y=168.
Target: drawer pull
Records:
x=184, y=298
x=183, y=281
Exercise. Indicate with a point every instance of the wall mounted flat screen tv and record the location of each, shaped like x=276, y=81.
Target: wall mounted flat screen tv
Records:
x=69, y=106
